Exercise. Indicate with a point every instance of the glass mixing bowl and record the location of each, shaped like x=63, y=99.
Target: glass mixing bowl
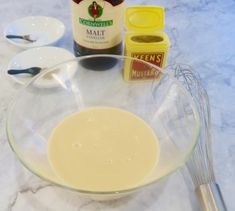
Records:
x=98, y=81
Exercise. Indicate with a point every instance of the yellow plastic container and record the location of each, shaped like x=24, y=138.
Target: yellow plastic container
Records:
x=145, y=40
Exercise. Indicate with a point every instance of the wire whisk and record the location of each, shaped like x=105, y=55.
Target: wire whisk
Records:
x=200, y=166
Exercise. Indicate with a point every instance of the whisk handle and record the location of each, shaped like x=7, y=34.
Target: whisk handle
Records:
x=210, y=197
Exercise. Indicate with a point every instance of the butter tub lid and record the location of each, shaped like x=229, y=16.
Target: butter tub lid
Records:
x=145, y=18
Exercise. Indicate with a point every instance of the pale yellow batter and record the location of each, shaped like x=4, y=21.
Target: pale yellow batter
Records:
x=103, y=149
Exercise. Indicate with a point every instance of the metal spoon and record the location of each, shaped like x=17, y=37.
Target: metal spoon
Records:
x=23, y=37
x=32, y=70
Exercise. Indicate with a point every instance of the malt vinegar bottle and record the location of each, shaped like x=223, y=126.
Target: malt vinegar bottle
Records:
x=97, y=27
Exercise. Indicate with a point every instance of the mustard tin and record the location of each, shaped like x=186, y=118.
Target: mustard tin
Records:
x=145, y=40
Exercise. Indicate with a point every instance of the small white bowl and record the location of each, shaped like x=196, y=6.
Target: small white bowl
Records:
x=43, y=57
x=45, y=30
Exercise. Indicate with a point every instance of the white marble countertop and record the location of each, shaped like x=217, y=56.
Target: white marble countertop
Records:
x=202, y=33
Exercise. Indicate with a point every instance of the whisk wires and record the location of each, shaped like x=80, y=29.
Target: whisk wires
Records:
x=200, y=165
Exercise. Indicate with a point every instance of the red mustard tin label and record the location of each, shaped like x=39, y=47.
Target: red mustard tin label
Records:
x=140, y=71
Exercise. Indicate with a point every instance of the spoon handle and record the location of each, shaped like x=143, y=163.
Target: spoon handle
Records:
x=15, y=71
x=14, y=36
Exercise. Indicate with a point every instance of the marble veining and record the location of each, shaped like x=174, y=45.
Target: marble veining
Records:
x=202, y=35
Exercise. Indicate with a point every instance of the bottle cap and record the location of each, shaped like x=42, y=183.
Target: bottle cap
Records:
x=145, y=18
